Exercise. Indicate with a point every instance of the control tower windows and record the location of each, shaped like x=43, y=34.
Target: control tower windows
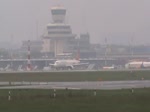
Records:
x=58, y=27
x=59, y=12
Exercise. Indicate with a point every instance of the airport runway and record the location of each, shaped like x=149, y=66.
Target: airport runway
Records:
x=41, y=71
x=101, y=85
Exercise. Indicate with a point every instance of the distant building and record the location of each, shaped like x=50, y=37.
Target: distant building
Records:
x=85, y=47
x=58, y=34
x=36, y=45
x=84, y=42
x=59, y=39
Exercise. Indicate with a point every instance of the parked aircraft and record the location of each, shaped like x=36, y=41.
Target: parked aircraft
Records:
x=137, y=65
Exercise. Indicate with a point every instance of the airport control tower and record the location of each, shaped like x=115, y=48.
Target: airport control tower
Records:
x=58, y=33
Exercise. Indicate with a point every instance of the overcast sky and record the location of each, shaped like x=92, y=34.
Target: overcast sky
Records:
x=118, y=20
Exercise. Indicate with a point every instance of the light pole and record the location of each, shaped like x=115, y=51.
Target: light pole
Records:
x=105, y=51
x=46, y=57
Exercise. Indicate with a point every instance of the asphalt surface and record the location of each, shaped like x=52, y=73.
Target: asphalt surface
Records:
x=41, y=71
x=100, y=85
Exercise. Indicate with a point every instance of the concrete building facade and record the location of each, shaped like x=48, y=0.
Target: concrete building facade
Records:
x=58, y=33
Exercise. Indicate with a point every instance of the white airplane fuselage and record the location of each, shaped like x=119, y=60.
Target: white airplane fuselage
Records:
x=138, y=65
x=66, y=64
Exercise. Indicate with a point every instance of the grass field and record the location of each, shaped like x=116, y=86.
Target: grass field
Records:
x=75, y=101
x=76, y=76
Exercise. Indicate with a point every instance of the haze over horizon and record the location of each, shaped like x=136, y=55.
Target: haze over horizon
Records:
x=121, y=21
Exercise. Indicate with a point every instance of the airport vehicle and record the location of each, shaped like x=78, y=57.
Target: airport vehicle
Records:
x=108, y=67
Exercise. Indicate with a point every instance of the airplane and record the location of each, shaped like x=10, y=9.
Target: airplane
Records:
x=137, y=65
x=67, y=64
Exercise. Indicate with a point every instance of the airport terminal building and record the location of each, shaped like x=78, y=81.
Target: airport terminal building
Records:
x=59, y=39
